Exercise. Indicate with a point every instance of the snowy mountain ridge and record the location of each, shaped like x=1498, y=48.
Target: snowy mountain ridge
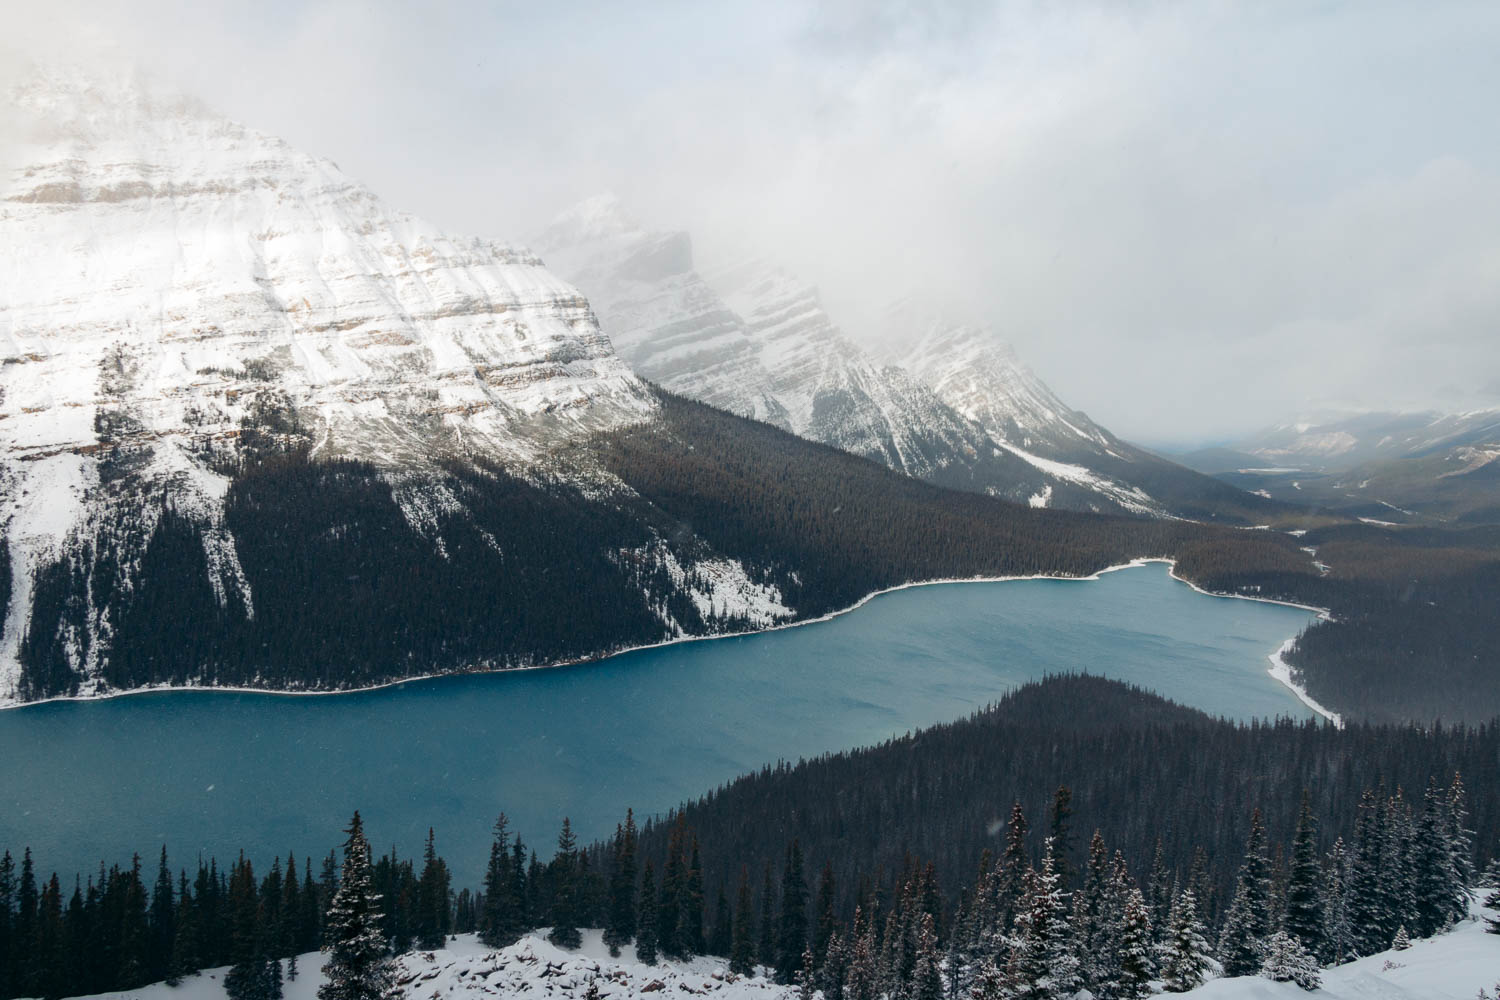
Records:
x=180, y=294
x=753, y=338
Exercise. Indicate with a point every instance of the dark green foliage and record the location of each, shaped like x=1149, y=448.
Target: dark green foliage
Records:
x=646, y=922
x=742, y=948
x=1304, y=898
x=792, y=932
x=1129, y=758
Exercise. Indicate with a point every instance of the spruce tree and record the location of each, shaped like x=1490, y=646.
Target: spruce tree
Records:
x=742, y=949
x=1136, y=967
x=1338, y=936
x=765, y=949
x=162, y=920
x=792, y=940
x=620, y=926
x=927, y=975
x=8, y=987
x=357, y=966
x=645, y=934
x=1062, y=836
x=1305, y=883
x=565, y=890
x=1287, y=961
x=690, y=917
x=1014, y=866
x=827, y=915
x=721, y=937
x=1185, y=955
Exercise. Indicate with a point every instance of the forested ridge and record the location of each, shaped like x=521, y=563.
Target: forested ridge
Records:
x=1000, y=857
x=357, y=577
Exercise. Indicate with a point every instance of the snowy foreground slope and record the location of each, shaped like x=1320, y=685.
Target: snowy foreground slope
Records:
x=1452, y=966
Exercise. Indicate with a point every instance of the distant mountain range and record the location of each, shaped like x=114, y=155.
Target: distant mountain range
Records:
x=1398, y=468
x=953, y=405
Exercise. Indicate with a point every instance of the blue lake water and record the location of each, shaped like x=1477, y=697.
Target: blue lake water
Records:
x=213, y=772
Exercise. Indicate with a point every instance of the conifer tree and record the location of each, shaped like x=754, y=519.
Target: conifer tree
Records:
x=765, y=949
x=565, y=890
x=162, y=919
x=357, y=966
x=927, y=975
x=792, y=939
x=742, y=949
x=1305, y=883
x=827, y=919
x=645, y=934
x=1338, y=936
x=1014, y=865
x=1136, y=967
x=1159, y=894
x=721, y=937
x=1185, y=956
x=1287, y=961
x=1062, y=836
x=1043, y=965
x=621, y=924
x=690, y=919
x=862, y=980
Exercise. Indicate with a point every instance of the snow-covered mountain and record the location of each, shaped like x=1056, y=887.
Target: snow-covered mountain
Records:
x=755, y=341
x=957, y=408
x=180, y=294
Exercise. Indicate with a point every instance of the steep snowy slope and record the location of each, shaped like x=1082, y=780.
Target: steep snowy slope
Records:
x=754, y=339
x=973, y=370
x=182, y=297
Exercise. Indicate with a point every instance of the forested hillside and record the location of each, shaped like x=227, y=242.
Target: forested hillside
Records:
x=1079, y=833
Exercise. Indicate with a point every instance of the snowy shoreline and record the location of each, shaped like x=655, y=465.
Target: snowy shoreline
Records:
x=1280, y=671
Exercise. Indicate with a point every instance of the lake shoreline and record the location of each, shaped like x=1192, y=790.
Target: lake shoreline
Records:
x=1282, y=676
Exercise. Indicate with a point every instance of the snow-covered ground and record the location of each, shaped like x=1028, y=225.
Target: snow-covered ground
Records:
x=1454, y=966
x=531, y=968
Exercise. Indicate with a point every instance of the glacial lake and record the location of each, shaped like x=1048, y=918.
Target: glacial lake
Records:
x=212, y=772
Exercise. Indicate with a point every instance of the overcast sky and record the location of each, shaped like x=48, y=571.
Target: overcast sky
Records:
x=1193, y=219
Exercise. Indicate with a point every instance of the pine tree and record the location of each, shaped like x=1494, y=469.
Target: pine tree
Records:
x=792, y=939
x=827, y=920
x=670, y=900
x=1014, y=866
x=1042, y=965
x=620, y=927
x=1305, y=883
x=1239, y=948
x=765, y=949
x=690, y=918
x=434, y=919
x=1401, y=942
x=1338, y=936
x=162, y=919
x=721, y=937
x=927, y=975
x=1159, y=894
x=357, y=966
x=742, y=949
x=1185, y=956
x=1062, y=836
x=565, y=890
x=1136, y=968
x=862, y=980
x=645, y=934
x=1288, y=962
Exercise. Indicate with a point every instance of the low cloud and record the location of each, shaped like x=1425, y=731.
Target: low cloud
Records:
x=1192, y=219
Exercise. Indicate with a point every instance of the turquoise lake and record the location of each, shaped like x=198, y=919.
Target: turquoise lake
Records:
x=213, y=772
